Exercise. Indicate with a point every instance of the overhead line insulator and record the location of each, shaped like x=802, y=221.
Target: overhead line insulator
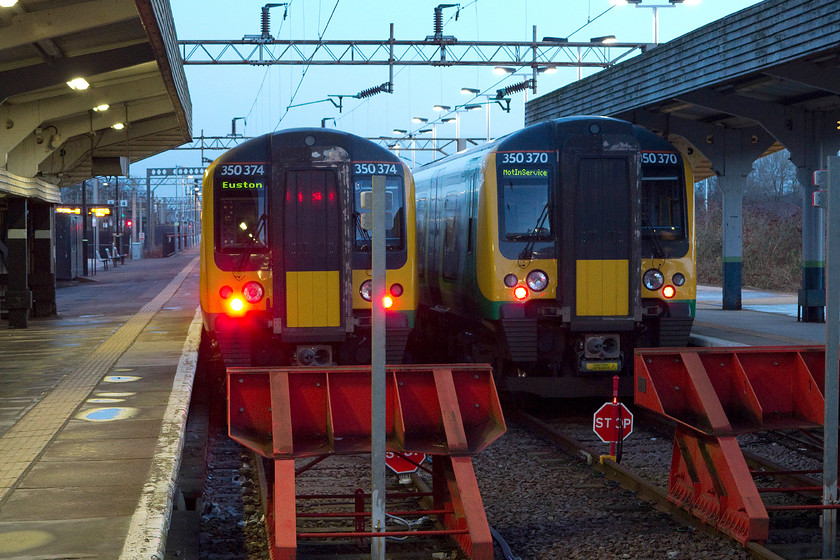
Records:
x=515, y=88
x=387, y=87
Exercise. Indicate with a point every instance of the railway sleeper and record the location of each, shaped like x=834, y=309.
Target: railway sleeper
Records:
x=714, y=394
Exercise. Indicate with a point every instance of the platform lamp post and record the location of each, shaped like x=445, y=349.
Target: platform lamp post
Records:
x=655, y=9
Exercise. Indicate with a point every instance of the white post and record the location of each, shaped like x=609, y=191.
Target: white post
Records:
x=377, y=424
x=832, y=358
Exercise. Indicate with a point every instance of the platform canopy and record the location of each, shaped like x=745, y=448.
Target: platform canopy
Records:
x=770, y=71
x=126, y=51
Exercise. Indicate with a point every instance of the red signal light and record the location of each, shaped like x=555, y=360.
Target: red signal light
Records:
x=128, y=223
x=520, y=292
x=668, y=292
x=236, y=305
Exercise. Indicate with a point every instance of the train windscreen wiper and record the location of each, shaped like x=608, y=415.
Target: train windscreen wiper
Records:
x=538, y=233
x=246, y=253
x=363, y=232
x=650, y=232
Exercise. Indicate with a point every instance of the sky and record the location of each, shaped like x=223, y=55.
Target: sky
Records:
x=263, y=94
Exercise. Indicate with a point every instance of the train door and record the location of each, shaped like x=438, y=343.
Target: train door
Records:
x=602, y=192
x=311, y=252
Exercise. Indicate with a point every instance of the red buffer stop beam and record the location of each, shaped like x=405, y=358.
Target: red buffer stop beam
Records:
x=450, y=412
x=714, y=394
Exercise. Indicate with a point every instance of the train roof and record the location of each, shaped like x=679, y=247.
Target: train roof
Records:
x=539, y=131
x=259, y=148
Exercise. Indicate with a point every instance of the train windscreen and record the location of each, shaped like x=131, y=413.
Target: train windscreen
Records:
x=524, y=205
x=394, y=211
x=241, y=208
x=663, y=202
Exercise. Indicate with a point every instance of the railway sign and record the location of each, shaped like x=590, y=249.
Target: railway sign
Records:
x=403, y=463
x=605, y=422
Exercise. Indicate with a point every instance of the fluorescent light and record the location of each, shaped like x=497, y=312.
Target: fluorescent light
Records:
x=7, y=3
x=118, y=126
x=103, y=107
x=78, y=83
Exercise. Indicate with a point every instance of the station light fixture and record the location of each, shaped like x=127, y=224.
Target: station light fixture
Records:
x=604, y=40
x=7, y=3
x=501, y=70
x=400, y=131
x=420, y=120
x=470, y=91
x=78, y=83
x=448, y=120
x=103, y=107
x=555, y=40
x=440, y=108
x=118, y=126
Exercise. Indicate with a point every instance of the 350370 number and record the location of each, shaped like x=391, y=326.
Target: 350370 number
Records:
x=375, y=168
x=659, y=158
x=524, y=157
x=242, y=169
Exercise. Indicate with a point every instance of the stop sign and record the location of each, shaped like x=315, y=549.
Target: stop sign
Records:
x=400, y=463
x=606, y=424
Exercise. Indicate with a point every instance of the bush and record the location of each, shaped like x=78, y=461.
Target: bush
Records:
x=772, y=245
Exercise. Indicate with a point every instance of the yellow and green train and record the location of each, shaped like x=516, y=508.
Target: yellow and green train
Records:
x=553, y=252
x=285, y=261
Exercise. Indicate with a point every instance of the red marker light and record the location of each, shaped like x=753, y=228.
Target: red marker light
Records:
x=387, y=302
x=520, y=292
x=237, y=304
x=668, y=292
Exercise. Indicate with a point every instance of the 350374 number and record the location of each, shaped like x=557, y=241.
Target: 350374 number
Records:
x=241, y=169
x=524, y=157
x=659, y=158
x=375, y=168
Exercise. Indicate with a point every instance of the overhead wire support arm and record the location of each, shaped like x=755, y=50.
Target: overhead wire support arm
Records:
x=317, y=52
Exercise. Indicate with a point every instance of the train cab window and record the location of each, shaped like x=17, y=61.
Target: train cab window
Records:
x=664, y=223
x=523, y=205
x=394, y=212
x=242, y=221
x=663, y=208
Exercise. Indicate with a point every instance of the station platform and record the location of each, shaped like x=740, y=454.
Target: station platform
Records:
x=93, y=410
x=765, y=319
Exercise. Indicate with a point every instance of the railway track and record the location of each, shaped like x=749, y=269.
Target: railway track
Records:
x=544, y=491
x=646, y=462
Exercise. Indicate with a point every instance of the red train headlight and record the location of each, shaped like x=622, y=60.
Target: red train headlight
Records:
x=253, y=292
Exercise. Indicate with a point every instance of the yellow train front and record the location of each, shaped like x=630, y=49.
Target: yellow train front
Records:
x=285, y=261
x=553, y=252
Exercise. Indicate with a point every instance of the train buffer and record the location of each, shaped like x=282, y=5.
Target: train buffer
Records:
x=715, y=394
x=448, y=412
